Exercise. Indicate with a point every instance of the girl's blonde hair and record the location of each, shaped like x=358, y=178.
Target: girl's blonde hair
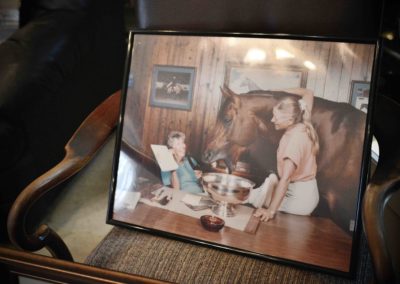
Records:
x=300, y=114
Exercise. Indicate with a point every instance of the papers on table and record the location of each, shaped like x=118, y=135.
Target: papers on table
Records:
x=192, y=199
x=164, y=158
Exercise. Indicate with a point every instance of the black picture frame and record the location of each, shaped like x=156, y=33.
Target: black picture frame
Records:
x=314, y=242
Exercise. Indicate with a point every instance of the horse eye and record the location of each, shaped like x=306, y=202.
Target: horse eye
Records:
x=227, y=119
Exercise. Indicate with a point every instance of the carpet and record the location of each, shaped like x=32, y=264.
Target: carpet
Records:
x=141, y=253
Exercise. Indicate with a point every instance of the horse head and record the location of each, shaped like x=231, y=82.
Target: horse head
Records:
x=240, y=122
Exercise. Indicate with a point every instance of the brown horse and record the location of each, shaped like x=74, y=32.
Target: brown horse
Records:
x=244, y=127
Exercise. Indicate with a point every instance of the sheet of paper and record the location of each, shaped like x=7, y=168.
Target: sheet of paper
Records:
x=164, y=158
x=192, y=199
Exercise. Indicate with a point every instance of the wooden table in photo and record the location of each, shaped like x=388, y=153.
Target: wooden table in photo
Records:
x=312, y=240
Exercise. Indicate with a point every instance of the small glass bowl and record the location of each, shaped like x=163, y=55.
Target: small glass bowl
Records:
x=212, y=223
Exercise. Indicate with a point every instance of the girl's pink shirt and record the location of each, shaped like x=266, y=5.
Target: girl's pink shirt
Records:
x=296, y=145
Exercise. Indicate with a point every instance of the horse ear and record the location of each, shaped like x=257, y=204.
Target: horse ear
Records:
x=229, y=94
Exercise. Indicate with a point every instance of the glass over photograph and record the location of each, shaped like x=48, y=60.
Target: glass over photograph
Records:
x=250, y=144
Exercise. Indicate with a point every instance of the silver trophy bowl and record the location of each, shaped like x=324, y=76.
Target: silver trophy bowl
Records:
x=227, y=190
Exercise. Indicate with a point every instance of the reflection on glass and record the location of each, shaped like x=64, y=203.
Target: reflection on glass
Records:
x=310, y=65
x=125, y=197
x=281, y=53
x=255, y=55
x=375, y=149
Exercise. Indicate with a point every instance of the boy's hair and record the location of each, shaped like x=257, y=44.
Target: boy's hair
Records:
x=173, y=136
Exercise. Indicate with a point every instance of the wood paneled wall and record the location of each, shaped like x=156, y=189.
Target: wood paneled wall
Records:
x=337, y=65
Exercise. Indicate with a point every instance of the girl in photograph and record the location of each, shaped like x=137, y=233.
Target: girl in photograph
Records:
x=296, y=192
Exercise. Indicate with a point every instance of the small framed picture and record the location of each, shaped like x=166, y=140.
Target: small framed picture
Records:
x=172, y=87
x=360, y=95
x=256, y=109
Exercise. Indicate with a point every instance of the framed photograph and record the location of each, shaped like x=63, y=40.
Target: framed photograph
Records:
x=212, y=174
x=360, y=95
x=243, y=78
x=172, y=87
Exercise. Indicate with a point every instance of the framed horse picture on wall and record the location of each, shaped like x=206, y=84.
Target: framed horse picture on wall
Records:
x=172, y=87
x=259, y=155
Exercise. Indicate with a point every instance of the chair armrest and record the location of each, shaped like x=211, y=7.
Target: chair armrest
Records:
x=61, y=271
x=80, y=149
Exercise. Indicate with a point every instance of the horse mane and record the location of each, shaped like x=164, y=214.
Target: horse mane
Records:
x=267, y=93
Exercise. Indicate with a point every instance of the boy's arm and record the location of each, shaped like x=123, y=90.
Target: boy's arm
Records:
x=174, y=180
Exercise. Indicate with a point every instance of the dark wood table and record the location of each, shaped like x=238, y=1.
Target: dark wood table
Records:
x=312, y=240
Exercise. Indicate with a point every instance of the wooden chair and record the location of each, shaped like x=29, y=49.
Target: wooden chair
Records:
x=80, y=149
x=381, y=217
x=217, y=16
x=99, y=125
x=92, y=134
